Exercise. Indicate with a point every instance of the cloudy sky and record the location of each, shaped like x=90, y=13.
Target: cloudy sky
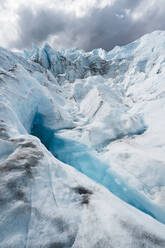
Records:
x=85, y=24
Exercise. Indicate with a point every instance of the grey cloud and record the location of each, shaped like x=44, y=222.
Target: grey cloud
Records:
x=2, y=3
x=104, y=28
x=36, y=27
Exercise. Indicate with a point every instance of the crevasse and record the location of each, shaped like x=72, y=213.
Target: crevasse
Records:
x=83, y=159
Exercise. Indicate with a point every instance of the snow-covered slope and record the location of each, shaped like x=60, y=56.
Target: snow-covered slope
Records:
x=101, y=113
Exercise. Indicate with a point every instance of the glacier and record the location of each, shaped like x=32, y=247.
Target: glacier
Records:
x=82, y=146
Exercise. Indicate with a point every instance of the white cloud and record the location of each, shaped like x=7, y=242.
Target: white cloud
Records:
x=146, y=7
x=8, y=24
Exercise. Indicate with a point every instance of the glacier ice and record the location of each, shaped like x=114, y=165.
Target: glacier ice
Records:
x=81, y=157
x=82, y=146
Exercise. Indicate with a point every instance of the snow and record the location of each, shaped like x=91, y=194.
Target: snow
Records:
x=94, y=174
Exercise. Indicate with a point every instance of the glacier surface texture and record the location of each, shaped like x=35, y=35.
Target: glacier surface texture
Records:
x=82, y=147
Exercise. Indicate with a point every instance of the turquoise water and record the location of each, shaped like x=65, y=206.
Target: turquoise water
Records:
x=82, y=158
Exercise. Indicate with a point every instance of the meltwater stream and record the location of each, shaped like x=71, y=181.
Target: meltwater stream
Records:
x=82, y=158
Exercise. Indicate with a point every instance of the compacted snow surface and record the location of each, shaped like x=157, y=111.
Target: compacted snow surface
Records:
x=82, y=147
